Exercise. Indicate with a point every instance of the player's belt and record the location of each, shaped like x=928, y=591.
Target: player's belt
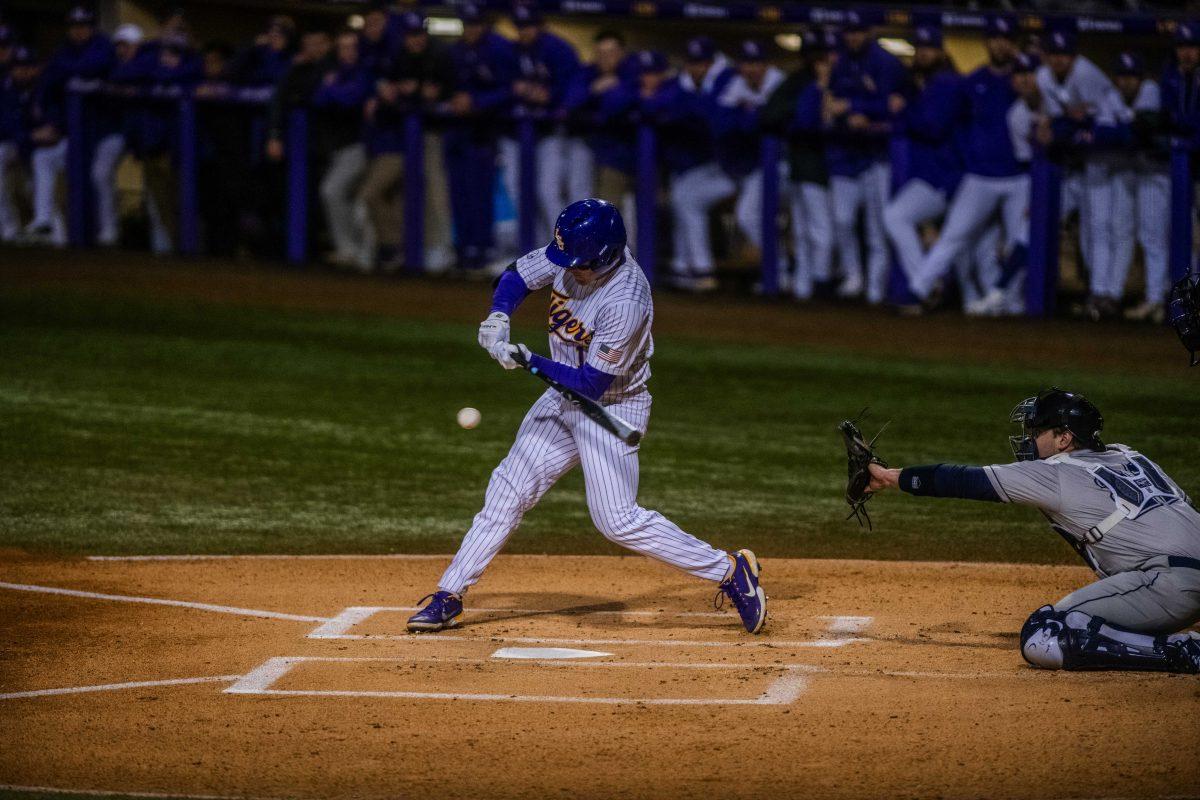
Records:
x=1182, y=561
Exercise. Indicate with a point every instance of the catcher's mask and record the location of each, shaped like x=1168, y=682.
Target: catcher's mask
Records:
x=1054, y=409
x=1183, y=313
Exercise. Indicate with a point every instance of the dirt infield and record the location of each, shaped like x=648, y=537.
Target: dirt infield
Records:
x=292, y=677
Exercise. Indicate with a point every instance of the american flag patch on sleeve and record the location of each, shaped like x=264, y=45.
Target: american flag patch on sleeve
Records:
x=609, y=354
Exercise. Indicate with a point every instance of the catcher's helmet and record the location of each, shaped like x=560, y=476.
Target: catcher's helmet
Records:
x=1183, y=312
x=1053, y=409
x=589, y=234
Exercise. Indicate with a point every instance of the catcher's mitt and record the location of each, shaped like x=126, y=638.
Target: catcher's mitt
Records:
x=860, y=454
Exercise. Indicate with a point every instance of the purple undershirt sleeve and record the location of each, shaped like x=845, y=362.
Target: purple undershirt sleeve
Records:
x=587, y=380
x=510, y=292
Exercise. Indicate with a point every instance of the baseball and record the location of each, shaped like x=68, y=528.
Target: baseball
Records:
x=468, y=417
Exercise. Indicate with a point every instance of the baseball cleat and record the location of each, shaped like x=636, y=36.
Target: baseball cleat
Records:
x=442, y=612
x=1185, y=655
x=742, y=588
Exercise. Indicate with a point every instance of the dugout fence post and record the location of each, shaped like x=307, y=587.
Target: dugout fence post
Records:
x=1181, y=211
x=899, y=293
x=527, y=204
x=414, y=193
x=1045, y=197
x=646, y=199
x=770, y=215
x=78, y=172
x=189, y=217
x=297, y=186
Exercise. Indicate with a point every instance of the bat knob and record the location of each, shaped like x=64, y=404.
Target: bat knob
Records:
x=633, y=438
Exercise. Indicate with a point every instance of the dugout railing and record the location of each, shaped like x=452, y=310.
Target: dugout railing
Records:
x=1041, y=282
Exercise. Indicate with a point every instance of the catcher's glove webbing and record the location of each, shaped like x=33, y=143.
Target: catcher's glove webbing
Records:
x=860, y=454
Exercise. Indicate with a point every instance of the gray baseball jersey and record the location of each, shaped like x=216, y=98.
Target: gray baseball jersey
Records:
x=1117, y=508
x=605, y=324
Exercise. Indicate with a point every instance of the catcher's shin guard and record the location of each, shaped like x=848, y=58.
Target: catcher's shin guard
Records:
x=1076, y=641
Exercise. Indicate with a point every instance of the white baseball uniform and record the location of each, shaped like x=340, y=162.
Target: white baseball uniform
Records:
x=868, y=191
x=10, y=219
x=696, y=190
x=1141, y=204
x=748, y=210
x=811, y=211
x=977, y=199
x=919, y=202
x=105, y=160
x=605, y=324
x=48, y=164
x=1087, y=85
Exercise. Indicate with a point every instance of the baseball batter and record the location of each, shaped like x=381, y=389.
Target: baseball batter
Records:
x=601, y=313
x=1129, y=521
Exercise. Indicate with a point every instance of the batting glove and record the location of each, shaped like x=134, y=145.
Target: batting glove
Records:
x=510, y=356
x=493, y=329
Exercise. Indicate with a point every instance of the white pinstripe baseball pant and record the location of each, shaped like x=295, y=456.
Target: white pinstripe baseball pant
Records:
x=1141, y=202
x=10, y=218
x=48, y=164
x=919, y=202
x=552, y=439
x=812, y=235
x=977, y=199
x=868, y=191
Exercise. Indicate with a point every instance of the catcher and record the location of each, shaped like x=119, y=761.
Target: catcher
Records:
x=1131, y=523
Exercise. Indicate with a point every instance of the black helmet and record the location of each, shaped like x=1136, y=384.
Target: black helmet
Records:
x=1052, y=409
x=1183, y=312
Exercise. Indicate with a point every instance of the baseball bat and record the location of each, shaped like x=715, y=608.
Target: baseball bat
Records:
x=591, y=409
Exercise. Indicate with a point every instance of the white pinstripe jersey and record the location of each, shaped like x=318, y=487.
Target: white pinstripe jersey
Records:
x=605, y=324
x=1086, y=85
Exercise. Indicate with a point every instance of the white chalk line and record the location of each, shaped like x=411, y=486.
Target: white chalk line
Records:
x=110, y=687
x=784, y=690
x=264, y=672
x=542, y=662
x=339, y=624
x=777, y=694
x=345, y=618
x=13, y=787
x=158, y=601
x=447, y=637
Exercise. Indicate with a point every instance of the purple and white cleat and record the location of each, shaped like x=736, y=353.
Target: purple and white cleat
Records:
x=442, y=612
x=742, y=588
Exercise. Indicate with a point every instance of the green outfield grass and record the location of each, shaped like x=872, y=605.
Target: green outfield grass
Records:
x=131, y=426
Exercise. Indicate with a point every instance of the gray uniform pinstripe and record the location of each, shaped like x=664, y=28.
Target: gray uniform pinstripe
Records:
x=605, y=324
x=1138, y=589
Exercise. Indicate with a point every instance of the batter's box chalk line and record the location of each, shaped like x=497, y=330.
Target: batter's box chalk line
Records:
x=112, y=687
x=840, y=628
x=783, y=690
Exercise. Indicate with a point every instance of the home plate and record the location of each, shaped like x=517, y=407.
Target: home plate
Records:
x=546, y=652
